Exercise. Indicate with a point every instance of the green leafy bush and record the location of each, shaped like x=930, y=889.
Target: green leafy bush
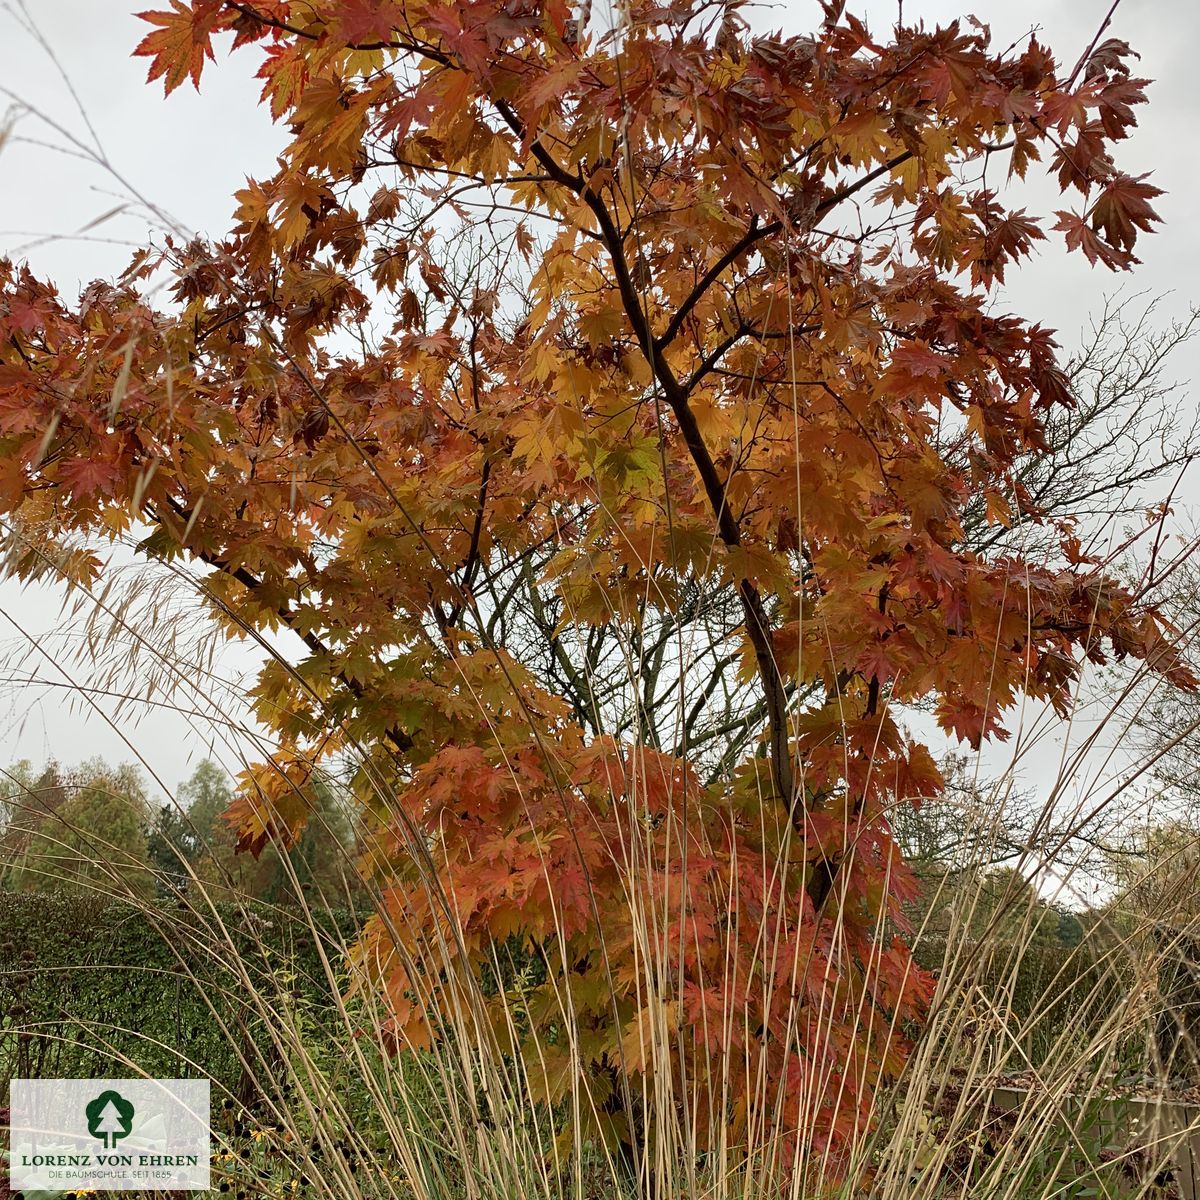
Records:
x=99, y=988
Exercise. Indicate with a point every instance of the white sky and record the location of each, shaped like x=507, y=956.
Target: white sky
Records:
x=188, y=154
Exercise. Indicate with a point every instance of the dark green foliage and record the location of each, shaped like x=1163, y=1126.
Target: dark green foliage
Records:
x=1049, y=986
x=1177, y=1022
x=191, y=840
x=183, y=832
x=89, y=988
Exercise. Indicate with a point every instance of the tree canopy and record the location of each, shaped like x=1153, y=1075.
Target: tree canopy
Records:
x=669, y=342
x=83, y=829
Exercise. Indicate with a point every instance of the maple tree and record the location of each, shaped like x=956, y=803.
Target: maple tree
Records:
x=688, y=335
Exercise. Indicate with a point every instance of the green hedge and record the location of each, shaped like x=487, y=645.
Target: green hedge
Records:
x=1049, y=988
x=98, y=989
x=94, y=988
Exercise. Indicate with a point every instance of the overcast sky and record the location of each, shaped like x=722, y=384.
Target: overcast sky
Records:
x=189, y=153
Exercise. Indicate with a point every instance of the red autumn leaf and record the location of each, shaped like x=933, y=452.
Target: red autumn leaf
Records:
x=85, y=477
x=366, y=22
x=918, y=360
x=27, y=314
x=183, y=40
x=1123, y=207
x=1080, y=236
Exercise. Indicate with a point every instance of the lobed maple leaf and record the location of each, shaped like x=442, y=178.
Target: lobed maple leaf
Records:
x=183, y=40
x=1122, y=208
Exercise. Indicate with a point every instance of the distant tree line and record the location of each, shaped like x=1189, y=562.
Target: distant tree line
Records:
x=96, y=828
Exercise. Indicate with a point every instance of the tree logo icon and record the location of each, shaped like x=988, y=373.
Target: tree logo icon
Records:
x=109, y=1117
